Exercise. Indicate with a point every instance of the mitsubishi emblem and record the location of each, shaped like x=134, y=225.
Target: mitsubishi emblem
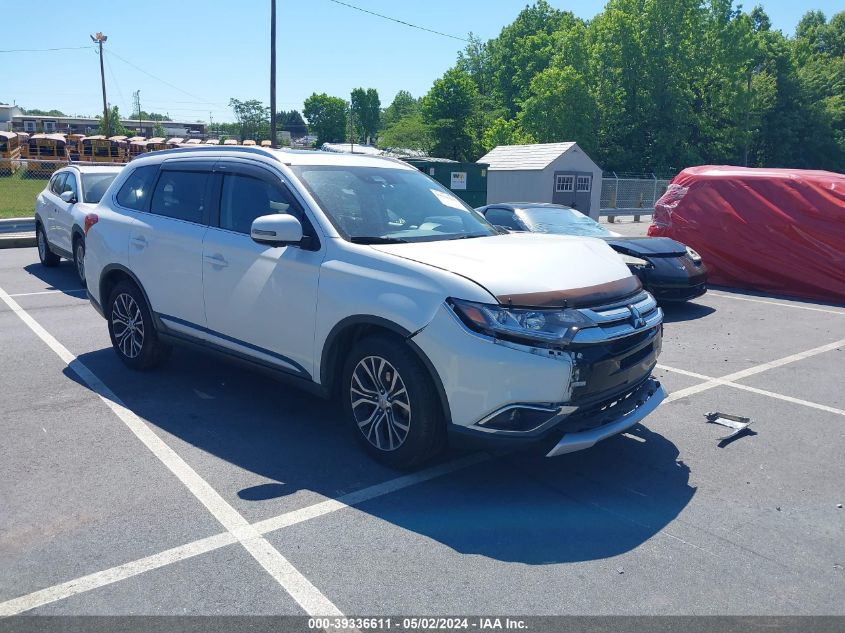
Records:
x=637, y=319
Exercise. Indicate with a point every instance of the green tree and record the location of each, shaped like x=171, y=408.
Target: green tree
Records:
x=150, y=116
x=327, y=117
x=450, y=109
x=292, y=122
x=37, y=112
x=560, y=108
x=523, y=48
x=115, y=127
x=253, y=118
x=409, y=132
x=505, y=132
x=366, y=113
x=404, y=104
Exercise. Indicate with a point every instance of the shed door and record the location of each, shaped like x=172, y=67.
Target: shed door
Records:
x=563, y=191
x=583, y=191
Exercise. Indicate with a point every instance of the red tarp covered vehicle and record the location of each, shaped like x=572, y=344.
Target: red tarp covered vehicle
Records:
x=776, y=230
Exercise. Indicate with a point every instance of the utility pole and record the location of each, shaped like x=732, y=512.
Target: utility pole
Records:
x=136, y=96
x=99, y=38
x=273, y=143
x=210, y=125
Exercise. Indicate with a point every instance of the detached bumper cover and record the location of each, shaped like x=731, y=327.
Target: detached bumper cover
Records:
x=617, y=418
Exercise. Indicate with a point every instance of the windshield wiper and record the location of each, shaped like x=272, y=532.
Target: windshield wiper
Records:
x=469, y=235
x=375, y=239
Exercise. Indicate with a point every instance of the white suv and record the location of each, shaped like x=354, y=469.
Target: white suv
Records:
x=363, y=278
x=60, y=210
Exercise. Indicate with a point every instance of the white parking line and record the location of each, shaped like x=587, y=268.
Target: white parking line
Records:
x=763, y=392
x=48, y=292
x=745, y=373
x=297, y=585
x=776, y=303
x=115, y=574
x=211, y=543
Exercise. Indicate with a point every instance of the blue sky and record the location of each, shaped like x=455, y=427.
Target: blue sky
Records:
x=201, y=53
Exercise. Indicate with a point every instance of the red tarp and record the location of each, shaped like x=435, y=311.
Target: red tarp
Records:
x=775, y=230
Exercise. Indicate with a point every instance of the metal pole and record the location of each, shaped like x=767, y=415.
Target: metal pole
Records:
x=273, y=74
x=100, y=38
x=747, y=122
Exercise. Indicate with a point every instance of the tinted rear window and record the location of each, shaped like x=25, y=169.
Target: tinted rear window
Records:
x=180, y=195
x=95, y=185
x=135, y=192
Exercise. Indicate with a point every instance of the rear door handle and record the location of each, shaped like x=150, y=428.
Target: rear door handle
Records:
x=217, y=260
x=139, y=242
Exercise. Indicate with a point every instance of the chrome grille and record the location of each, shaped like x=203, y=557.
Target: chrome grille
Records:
x=621, y=319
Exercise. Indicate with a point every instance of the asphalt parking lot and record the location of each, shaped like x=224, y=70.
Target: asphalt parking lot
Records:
x=201, y=488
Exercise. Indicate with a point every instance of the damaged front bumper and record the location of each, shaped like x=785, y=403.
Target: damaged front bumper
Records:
x=615, y=418
x=571, y=428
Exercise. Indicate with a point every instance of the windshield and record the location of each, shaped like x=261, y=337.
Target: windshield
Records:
x=374, y=204
x=562, y=221
x=95, y=185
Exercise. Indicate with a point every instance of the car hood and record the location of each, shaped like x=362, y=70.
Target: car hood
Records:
x=529, y=268
x=662, y=246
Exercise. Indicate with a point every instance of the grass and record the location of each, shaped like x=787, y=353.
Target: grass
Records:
x=17, y=195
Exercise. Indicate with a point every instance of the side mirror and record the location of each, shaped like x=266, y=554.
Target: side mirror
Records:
x=68, y=196
x=279, y=229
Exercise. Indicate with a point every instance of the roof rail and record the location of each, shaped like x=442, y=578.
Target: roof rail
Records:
x=262, y=151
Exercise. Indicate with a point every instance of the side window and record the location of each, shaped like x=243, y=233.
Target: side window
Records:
x=584, y=183
x=244, y=198
x=70, y=184
x=180, y=195
x=136, y=190
x=58, y=182
x=564, y=183
x=500, y=217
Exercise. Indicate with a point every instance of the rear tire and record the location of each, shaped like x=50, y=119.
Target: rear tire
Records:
x=79, y=258
x=48, y=258
x=131, y=328
x=391, y=403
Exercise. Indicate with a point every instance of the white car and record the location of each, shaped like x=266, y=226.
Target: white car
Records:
x=362, y=278
x=60, y=210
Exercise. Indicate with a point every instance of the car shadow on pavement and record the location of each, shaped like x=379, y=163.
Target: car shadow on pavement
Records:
x=684, y=311
x=517, y=507
x=62, y=277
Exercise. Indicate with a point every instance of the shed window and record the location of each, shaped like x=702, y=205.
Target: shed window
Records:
x=564, y=183
x=584, y=183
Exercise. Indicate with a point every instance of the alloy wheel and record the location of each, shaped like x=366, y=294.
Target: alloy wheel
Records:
x=42, y=246
x=380, y=403
x=80, y=261
x=127, y=325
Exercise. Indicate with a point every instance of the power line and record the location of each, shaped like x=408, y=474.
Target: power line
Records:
x=167, y=83
x=45, y=50
x=387, y=17
x=114, y=80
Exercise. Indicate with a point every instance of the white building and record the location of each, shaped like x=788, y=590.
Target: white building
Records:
x=560, y=173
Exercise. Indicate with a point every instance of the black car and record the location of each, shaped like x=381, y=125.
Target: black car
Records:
x=666, y=268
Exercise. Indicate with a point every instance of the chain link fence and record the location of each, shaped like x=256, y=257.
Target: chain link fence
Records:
x=624, y=195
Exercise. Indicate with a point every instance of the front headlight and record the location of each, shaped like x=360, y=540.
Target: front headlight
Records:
x=556, y=325
x=695, y=257
x=634, y=261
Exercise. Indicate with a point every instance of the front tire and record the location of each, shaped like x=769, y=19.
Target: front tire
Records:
x=391, y=402
x=48, y=258
x=131, y=328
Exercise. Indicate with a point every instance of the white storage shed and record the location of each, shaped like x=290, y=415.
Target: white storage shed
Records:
x=560, y=173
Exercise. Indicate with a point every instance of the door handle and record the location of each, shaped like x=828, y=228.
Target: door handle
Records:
x=139, y=242
x=217, y=260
